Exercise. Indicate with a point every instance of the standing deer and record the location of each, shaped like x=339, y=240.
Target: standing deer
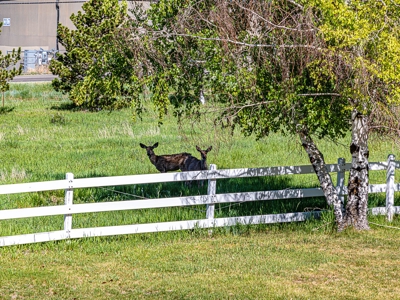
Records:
x=194, y=164
x=165, y=163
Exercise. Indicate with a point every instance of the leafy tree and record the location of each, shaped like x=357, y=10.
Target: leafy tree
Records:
x=305, y=68
x=263, y=72
x=93, y=70
x=6, y=73
x=365, y=37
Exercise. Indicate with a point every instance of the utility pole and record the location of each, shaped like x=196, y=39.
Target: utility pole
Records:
x=58, y=20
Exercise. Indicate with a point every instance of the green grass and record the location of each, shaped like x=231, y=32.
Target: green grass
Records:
x=42, y=138
x=272, y=262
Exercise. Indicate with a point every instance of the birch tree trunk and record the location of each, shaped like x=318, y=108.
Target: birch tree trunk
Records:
x=318, y=163
x=357, y=200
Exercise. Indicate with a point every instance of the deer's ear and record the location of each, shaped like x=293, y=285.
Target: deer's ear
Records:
x=155, y=145
x=209, y=149
x=143, y=146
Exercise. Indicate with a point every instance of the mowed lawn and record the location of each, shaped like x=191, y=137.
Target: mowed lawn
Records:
x=42, y=138
x=289, y=262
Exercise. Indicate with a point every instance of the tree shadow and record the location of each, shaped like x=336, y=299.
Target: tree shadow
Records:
x=240, y=186
x=242, y=207
x=5, y=109
x=261, y=184
x=70, y=106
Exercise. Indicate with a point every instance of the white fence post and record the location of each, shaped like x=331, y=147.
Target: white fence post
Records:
x=211, y=191
x=340, y=179
x=69, y=194
x=390, y=187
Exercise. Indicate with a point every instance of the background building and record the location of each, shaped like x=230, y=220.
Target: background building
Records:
x=32, y=24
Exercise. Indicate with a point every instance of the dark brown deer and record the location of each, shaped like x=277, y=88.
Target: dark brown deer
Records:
x=194, y=164
x=165, y=163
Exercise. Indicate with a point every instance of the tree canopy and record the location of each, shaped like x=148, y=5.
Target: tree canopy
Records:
x=312, y=68
x=366, y=37
x=305, y=63
x=93, y=70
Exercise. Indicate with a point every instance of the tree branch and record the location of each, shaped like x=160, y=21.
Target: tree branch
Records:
x=243, y=43
x=319, y=94
x=296, y=4
x=272, y=24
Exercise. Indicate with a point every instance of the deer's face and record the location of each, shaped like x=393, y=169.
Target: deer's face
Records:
x=149, y=149
x=203, y=153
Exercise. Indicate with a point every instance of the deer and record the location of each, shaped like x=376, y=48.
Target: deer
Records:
x=194, y=164
x=165, y=163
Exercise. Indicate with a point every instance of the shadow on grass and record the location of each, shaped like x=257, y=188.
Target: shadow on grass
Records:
x=180, y=189
x=238, y=185
x=66, y=106
x=5, y=109
x=70, y=106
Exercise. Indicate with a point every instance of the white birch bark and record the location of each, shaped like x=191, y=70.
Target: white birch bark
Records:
x=357, y=200
x=318, y=163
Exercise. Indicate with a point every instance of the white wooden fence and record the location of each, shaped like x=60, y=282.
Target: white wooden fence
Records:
x=212, y=175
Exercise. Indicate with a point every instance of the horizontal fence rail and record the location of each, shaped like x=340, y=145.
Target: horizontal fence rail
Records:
x=162, y=177
x=212, y=175
x=168, y=177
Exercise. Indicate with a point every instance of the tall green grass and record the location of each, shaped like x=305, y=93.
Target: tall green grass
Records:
x=42, y=137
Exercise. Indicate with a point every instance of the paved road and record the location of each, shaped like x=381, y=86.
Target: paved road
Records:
x=34, y=78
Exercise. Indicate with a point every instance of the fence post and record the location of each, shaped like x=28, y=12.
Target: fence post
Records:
x=390, y=187
x=211, y=191
x=69, y=194
x=340, y=179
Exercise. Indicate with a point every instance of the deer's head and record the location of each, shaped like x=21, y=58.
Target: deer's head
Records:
x=149, y=149
x=203, y=153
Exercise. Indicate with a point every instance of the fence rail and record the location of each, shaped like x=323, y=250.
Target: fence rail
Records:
x=212, y=175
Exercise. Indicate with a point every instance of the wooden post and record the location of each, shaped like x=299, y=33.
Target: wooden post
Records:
x=69, y=194
x=340, y=179
x=390, y=187
x=211, y=191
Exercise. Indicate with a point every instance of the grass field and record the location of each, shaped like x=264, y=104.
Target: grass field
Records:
x=289, y=262
x=41, y=139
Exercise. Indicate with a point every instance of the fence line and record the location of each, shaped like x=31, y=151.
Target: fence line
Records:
x=70, y=183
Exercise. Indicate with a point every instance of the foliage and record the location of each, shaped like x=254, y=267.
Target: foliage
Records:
x=92, y=70
x=366, y=37
x=361, y=37
x=284, y=66
x=164, y=66
x=265, y=88
x=6, y=61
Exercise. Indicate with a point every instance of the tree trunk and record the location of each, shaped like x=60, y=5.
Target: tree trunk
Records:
x=357, y=200
x=318, y=163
